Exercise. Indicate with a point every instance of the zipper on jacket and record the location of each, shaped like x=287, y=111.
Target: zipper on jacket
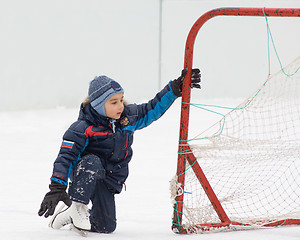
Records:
x=112, y=124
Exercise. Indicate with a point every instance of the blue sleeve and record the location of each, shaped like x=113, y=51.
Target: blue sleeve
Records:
x=147, y=113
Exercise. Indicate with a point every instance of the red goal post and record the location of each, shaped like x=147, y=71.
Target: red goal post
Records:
x=189, y=157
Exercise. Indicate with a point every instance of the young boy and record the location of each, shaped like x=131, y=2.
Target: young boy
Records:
x=95, y=153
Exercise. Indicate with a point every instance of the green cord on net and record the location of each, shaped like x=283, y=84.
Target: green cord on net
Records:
x=269, y=35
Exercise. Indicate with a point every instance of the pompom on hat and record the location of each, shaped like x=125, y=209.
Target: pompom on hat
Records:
x=101, y=88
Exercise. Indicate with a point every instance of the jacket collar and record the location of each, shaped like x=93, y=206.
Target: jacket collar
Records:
x=87, y=113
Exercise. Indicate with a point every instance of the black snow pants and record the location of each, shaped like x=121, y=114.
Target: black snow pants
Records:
x=87, y=184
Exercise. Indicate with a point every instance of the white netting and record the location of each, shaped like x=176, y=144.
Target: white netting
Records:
x=251, y=158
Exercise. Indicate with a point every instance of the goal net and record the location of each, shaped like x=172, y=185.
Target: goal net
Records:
x=244, y=171
x=251, y=158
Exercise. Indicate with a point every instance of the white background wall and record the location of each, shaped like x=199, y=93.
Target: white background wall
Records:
x=50, y=50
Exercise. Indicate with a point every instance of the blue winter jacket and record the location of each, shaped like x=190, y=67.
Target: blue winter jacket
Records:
x=94, y=134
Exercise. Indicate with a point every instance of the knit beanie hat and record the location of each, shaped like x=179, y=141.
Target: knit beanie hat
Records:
x=100, y=90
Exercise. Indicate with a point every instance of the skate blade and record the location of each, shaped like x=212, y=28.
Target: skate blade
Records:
x=83, y=233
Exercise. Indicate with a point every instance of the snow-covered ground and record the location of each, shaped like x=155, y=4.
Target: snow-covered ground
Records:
x=29, y=144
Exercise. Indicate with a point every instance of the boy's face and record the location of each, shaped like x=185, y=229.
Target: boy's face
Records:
x=114, y=106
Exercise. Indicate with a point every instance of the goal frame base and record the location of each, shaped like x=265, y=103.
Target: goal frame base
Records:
x=230, y=226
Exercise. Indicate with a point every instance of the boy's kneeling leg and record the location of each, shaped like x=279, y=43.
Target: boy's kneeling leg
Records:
x=84, y=178
x=103, y=213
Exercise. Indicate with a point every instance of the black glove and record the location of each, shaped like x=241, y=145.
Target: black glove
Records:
x=57, y=193
x=177, y=83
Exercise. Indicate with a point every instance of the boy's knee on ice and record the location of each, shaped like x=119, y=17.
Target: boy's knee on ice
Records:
x=103, y=212
x=109, y=228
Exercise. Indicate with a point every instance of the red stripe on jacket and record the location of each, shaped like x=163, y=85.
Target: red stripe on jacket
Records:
x=90, y=133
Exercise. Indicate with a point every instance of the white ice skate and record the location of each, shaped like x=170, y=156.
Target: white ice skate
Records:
x=77, y=214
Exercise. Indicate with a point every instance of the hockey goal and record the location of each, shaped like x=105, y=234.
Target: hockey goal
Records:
x=244, y=171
